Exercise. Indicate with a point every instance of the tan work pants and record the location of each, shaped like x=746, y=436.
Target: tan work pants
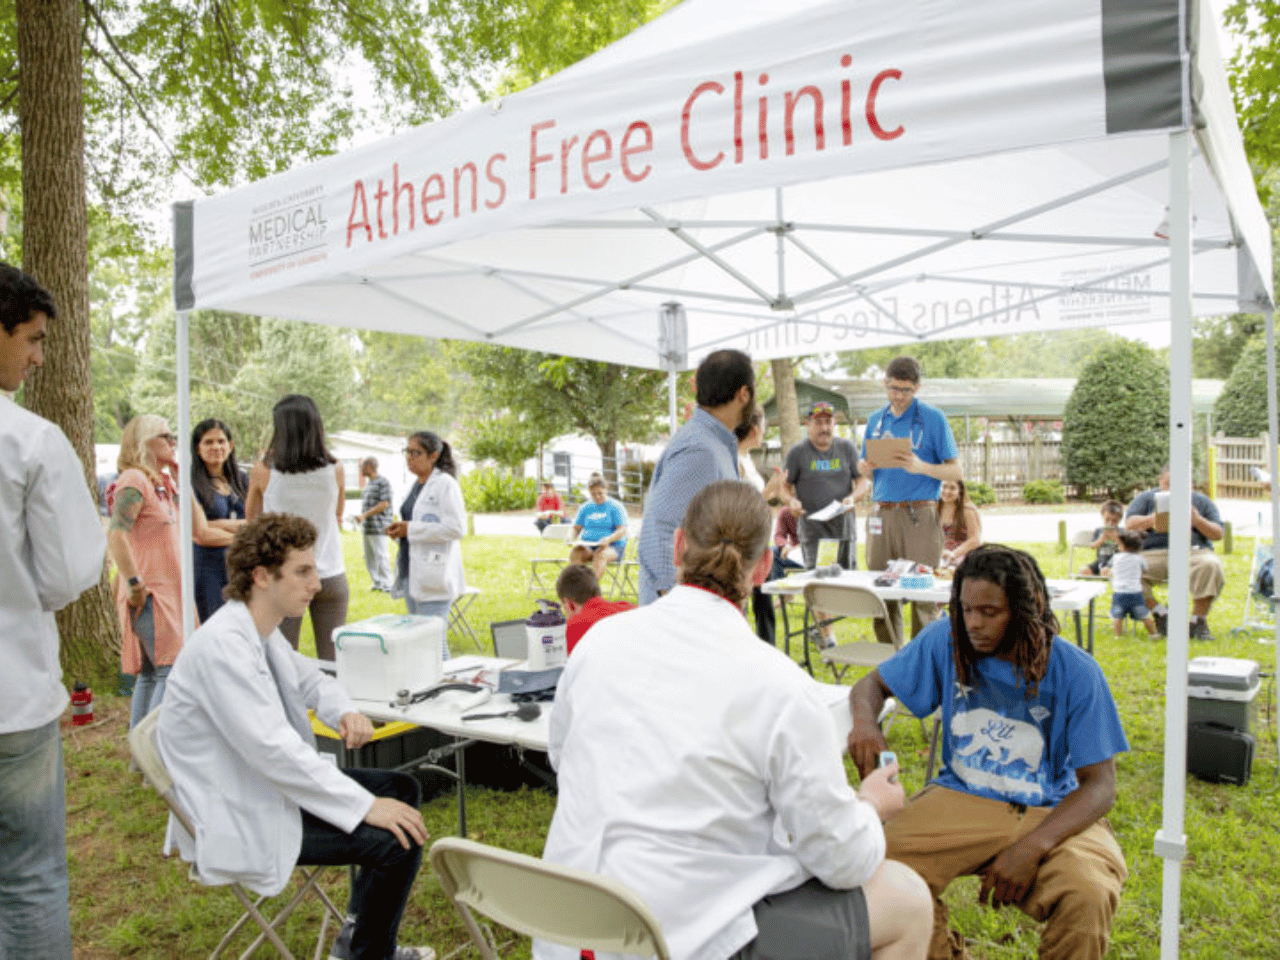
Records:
x=904, y=537
x=943, y=834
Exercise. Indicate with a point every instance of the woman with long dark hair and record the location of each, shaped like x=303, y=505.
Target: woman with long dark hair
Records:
x=299, y=475
x=220, y=488
x=961, y=524
x=432, y=521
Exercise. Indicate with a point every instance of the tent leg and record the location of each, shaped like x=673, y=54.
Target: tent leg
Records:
x=1171, y=841
x=1275, y=471
x=185, y=492
x=671, y=401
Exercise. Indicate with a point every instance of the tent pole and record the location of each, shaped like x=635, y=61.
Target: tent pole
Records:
x=1171, y=841
x=185, y=492
x=1274, y=467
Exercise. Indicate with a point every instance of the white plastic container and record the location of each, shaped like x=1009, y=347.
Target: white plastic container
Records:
x=548, y=645
x=391, y=652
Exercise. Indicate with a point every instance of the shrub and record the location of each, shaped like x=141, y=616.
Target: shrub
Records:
x=980, y=494
x=1115, y=431
x=1043, y=491
x=1241, y=408
x=488, y=490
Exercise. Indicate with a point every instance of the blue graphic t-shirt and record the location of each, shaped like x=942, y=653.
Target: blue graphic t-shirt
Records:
x=598, y=520
x=996, y=743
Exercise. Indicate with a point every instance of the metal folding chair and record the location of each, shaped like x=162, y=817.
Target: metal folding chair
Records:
x=146, y=754
x=539, y=899
x=554, y=533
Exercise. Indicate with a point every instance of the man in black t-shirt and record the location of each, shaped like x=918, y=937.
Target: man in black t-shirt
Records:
x=821, y=469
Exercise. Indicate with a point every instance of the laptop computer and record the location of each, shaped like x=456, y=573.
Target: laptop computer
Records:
x=509, y=639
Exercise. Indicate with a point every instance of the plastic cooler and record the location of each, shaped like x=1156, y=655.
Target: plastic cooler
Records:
x=1223, y=691
x=391, y=652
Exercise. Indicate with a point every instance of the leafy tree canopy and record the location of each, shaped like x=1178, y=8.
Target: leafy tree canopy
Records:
x=1241, y=408
x=1115, y=431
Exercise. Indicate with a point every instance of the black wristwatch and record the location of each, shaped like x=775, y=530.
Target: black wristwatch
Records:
x=134, y=582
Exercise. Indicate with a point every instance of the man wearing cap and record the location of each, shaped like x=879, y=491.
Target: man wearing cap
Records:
x=904, y=522
x=821, y=469
x=701, y=452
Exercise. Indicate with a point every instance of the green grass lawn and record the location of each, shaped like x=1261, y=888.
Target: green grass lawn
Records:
x=128, y=901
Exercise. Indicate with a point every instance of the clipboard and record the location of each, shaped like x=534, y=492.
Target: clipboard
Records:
x=881, y=452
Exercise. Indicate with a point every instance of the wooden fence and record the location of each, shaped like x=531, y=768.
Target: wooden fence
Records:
x=1008, y=465
x=1234, y=460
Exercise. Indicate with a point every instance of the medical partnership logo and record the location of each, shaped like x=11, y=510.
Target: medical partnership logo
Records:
x=287, y=232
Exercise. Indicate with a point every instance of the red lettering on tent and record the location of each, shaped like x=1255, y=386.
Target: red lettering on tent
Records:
x=359, y=203
x=788, y=124
x=626, y=152
x=872, y=93
x=457, y=188
x=535, y=157
x=496, y=180
x=737, y=117
x=686, y=115
x=565, y=147
x=379, y=195
x=846, y=103
x=434, y=196
x=588, y=158
x=762, y=130
x=398, y=188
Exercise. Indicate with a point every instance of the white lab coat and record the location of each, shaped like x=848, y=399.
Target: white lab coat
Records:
x=51, y=549
x=240, y=771
x=702, y=768
x=435, y=530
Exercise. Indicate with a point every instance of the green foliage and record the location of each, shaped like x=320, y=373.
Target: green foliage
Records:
x=507, y=438
x=1059, y=353
x=406, y=384
x=1219, y=341
x=1254, y=73
x=1115, y=432
x=980, y=494
x=1043, y=491
x=494, y=491
x=1241, y=409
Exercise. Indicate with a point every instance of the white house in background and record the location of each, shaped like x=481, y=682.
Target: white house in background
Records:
x=568, y=461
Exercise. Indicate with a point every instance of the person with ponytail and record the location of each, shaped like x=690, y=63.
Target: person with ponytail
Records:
x=1029, y=733
x=684, y=746
x=432, y=521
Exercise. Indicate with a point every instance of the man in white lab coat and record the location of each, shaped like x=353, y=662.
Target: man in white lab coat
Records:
x=51, y=547
x=236, y=739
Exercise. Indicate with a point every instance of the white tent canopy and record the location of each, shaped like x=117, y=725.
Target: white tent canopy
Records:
x=790, y=178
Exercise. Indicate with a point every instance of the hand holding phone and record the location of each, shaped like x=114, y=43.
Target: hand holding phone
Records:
x=887, y=757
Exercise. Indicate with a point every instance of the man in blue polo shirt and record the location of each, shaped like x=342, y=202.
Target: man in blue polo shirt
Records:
x=904, y=524
x=701, y=452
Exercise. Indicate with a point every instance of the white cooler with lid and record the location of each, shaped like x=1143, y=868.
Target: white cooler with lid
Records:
x=391, y=652
x=1222, y=691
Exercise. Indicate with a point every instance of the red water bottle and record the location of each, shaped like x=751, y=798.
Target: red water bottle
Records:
x=81, y=704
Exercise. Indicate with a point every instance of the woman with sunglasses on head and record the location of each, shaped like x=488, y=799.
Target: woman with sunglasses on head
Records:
x=220, y=488
x=432, y=521
x=144, y=541
x=299, y=475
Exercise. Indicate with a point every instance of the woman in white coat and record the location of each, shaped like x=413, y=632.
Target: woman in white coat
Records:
x=433, y=519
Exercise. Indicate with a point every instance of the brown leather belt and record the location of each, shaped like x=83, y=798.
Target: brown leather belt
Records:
x=904, y=504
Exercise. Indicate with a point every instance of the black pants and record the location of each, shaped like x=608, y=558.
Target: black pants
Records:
x=387, y=870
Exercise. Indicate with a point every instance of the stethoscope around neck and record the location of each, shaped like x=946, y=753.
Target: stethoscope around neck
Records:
x=917, y=440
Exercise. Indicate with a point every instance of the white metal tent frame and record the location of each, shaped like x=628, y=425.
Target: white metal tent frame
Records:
x=1066, y=179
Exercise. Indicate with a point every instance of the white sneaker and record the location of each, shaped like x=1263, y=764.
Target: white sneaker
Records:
x=414, y=953
x=341, y=949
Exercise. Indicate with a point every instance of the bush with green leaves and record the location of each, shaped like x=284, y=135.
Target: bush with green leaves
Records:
x=488, y=490
x=1043, y=491
x=980, y=494
x=1115, y=430
x=1241, y=408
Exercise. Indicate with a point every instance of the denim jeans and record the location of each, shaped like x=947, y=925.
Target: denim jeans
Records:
x=148, y=691
x=432, y=608
x=33, y=846
x=387, y=870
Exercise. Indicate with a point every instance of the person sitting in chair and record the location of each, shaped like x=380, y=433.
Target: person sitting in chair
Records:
x=235, y=737
x=601, y=524
x=1029, y=734
x=579, y=593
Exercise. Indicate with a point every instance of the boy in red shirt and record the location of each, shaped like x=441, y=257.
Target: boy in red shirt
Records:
x=579, y=593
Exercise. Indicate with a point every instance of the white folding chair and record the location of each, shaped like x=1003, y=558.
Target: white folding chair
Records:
x=539, y=899
x=1081, y=539
x=617, y=582
x=146, y=754
x=459, y=623
x=557, y=534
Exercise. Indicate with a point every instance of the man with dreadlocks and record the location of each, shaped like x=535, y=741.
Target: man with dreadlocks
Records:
x=1029, y=732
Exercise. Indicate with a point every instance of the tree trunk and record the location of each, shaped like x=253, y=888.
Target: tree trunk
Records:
x=55, y=252
x=608, y=445
x=784, y=389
